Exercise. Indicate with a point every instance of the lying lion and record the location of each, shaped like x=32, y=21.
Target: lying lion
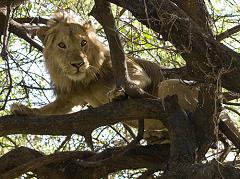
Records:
x=80, y=69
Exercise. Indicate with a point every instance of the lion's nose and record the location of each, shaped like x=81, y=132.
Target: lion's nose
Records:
x=77, y=64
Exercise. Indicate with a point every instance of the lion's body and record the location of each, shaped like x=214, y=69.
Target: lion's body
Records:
x=80, y=69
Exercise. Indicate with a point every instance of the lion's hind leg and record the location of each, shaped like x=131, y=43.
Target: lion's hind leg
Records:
x=186, y=93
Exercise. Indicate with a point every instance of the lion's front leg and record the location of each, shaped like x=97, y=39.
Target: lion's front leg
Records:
x=116, y=94
x=59, y=106
x=138, y=77
x=22, y=110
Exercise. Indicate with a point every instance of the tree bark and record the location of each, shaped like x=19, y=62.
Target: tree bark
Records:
x=197, y=11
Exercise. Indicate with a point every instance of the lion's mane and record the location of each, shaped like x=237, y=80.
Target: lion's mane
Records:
x=96, y=56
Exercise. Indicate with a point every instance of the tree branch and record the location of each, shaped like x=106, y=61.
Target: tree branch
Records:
x=206, y=118
x=43, y=161
x=228, y=33
x=206, y=58
x=21, y=160
x=182, y=136
x=19, y=30
x=102, y=12
x=230, y=131
x=151, y=156
x=30, y=20
x=86, y=120
x=197, y=10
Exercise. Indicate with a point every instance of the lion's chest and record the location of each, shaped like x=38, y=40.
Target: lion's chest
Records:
x=95, y=94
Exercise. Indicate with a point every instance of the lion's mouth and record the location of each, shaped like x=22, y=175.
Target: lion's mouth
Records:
x=78, y=75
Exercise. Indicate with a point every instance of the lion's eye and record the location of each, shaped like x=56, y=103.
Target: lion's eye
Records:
x=83, y=43
x=62, y=45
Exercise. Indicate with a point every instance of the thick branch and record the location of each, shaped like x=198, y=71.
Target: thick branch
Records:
x=20, y=160
x=206, y=118
x=83, y=121
x=102, y=12
x=182, y=136
x=139, y=157
x=136, y=158
x=206, y=58
x=41, y=162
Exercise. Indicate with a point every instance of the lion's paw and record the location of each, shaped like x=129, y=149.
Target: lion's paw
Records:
x=116, y=94
x=22, y=110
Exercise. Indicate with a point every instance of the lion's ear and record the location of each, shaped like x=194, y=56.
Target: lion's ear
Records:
x=42, y=32
x=88, y=27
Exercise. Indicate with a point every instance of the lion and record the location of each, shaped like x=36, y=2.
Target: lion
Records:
x=81, y=71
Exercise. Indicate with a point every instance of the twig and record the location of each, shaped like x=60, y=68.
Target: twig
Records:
x=12, y=141
x=121, y=12
x=230, y=103
x=117, y=154
x=228, y=33
x=233, y=110
x=4, y=53
x=129, y=130
x=63, y=143
x=119, y=134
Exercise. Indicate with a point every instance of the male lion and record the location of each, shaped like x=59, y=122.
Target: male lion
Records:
x=80, y=69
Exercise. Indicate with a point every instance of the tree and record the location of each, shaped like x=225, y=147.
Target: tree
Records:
x=204, y=52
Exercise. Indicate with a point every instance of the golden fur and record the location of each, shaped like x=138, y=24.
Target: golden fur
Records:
x=80, y=69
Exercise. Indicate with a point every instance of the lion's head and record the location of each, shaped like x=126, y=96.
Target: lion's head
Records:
x=72, y=53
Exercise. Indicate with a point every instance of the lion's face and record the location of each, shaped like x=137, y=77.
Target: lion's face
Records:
x=70, y=46
x=71, y=50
